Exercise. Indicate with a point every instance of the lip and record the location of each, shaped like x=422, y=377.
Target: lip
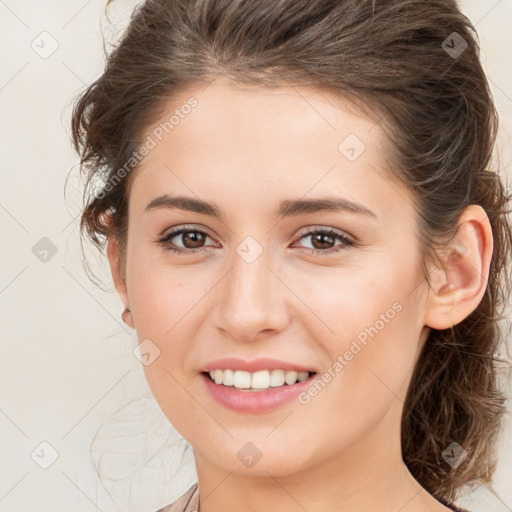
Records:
x=254, y=401
x=233, y=363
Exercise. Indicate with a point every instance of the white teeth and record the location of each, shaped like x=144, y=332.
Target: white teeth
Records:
x=302, y=376
x=257, y=380
x=241, y=379
x=260, y=380
x=291, y=377
x=228, y=378
x=277, y=378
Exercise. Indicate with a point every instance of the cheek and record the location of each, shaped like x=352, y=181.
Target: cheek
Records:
x=163, y=309
x=367, y=321
x=342, y=302
x=371, y=362
x=159, y=299
x=160, y=295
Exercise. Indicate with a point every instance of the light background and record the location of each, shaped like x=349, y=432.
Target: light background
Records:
x=67, y=369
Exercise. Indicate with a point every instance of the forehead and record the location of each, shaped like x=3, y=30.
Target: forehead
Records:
x=284, y=115
x=260, y=142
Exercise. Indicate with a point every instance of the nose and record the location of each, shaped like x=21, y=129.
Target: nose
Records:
x=252, y=300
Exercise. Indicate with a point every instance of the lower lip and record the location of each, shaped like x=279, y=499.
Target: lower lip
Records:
x=255, y=401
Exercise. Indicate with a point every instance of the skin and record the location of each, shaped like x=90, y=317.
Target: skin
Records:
x=247, y=149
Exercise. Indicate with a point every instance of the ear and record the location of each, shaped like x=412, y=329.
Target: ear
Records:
x=117, y=277
x=459, y=285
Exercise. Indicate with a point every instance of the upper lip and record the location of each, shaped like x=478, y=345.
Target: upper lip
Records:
x=233, y=363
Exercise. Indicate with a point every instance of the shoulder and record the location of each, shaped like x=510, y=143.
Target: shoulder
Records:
x=189, y=502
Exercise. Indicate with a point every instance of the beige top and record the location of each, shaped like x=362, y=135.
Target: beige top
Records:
x=189, y=502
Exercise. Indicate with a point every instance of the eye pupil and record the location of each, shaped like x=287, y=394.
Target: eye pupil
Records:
x=194, y=236
x=323, y=238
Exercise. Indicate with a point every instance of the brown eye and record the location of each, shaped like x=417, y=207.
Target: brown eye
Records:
x=193, y=239
x=186, y=240
x=323, y=241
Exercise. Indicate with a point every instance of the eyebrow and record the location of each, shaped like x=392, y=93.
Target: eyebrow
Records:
x=287, y=208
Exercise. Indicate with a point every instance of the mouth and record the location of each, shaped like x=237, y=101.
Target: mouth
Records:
x=256, y=392
x=256, y=381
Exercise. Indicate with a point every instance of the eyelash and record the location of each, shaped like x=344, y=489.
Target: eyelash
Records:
x=347, y=242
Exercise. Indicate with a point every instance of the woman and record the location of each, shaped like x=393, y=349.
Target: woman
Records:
x=302, y=224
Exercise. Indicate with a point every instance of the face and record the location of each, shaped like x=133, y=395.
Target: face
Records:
x=274, y=274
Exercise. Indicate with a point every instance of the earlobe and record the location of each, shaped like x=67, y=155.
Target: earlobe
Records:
x=458, y=287
x=128, y=317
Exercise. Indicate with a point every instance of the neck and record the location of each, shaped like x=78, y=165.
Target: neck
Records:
x=369, y=475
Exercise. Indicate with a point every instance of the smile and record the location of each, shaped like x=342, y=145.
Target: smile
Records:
x=257, y=381
x=276, y=388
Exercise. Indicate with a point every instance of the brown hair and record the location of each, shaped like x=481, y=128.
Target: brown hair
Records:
x=402, y=64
